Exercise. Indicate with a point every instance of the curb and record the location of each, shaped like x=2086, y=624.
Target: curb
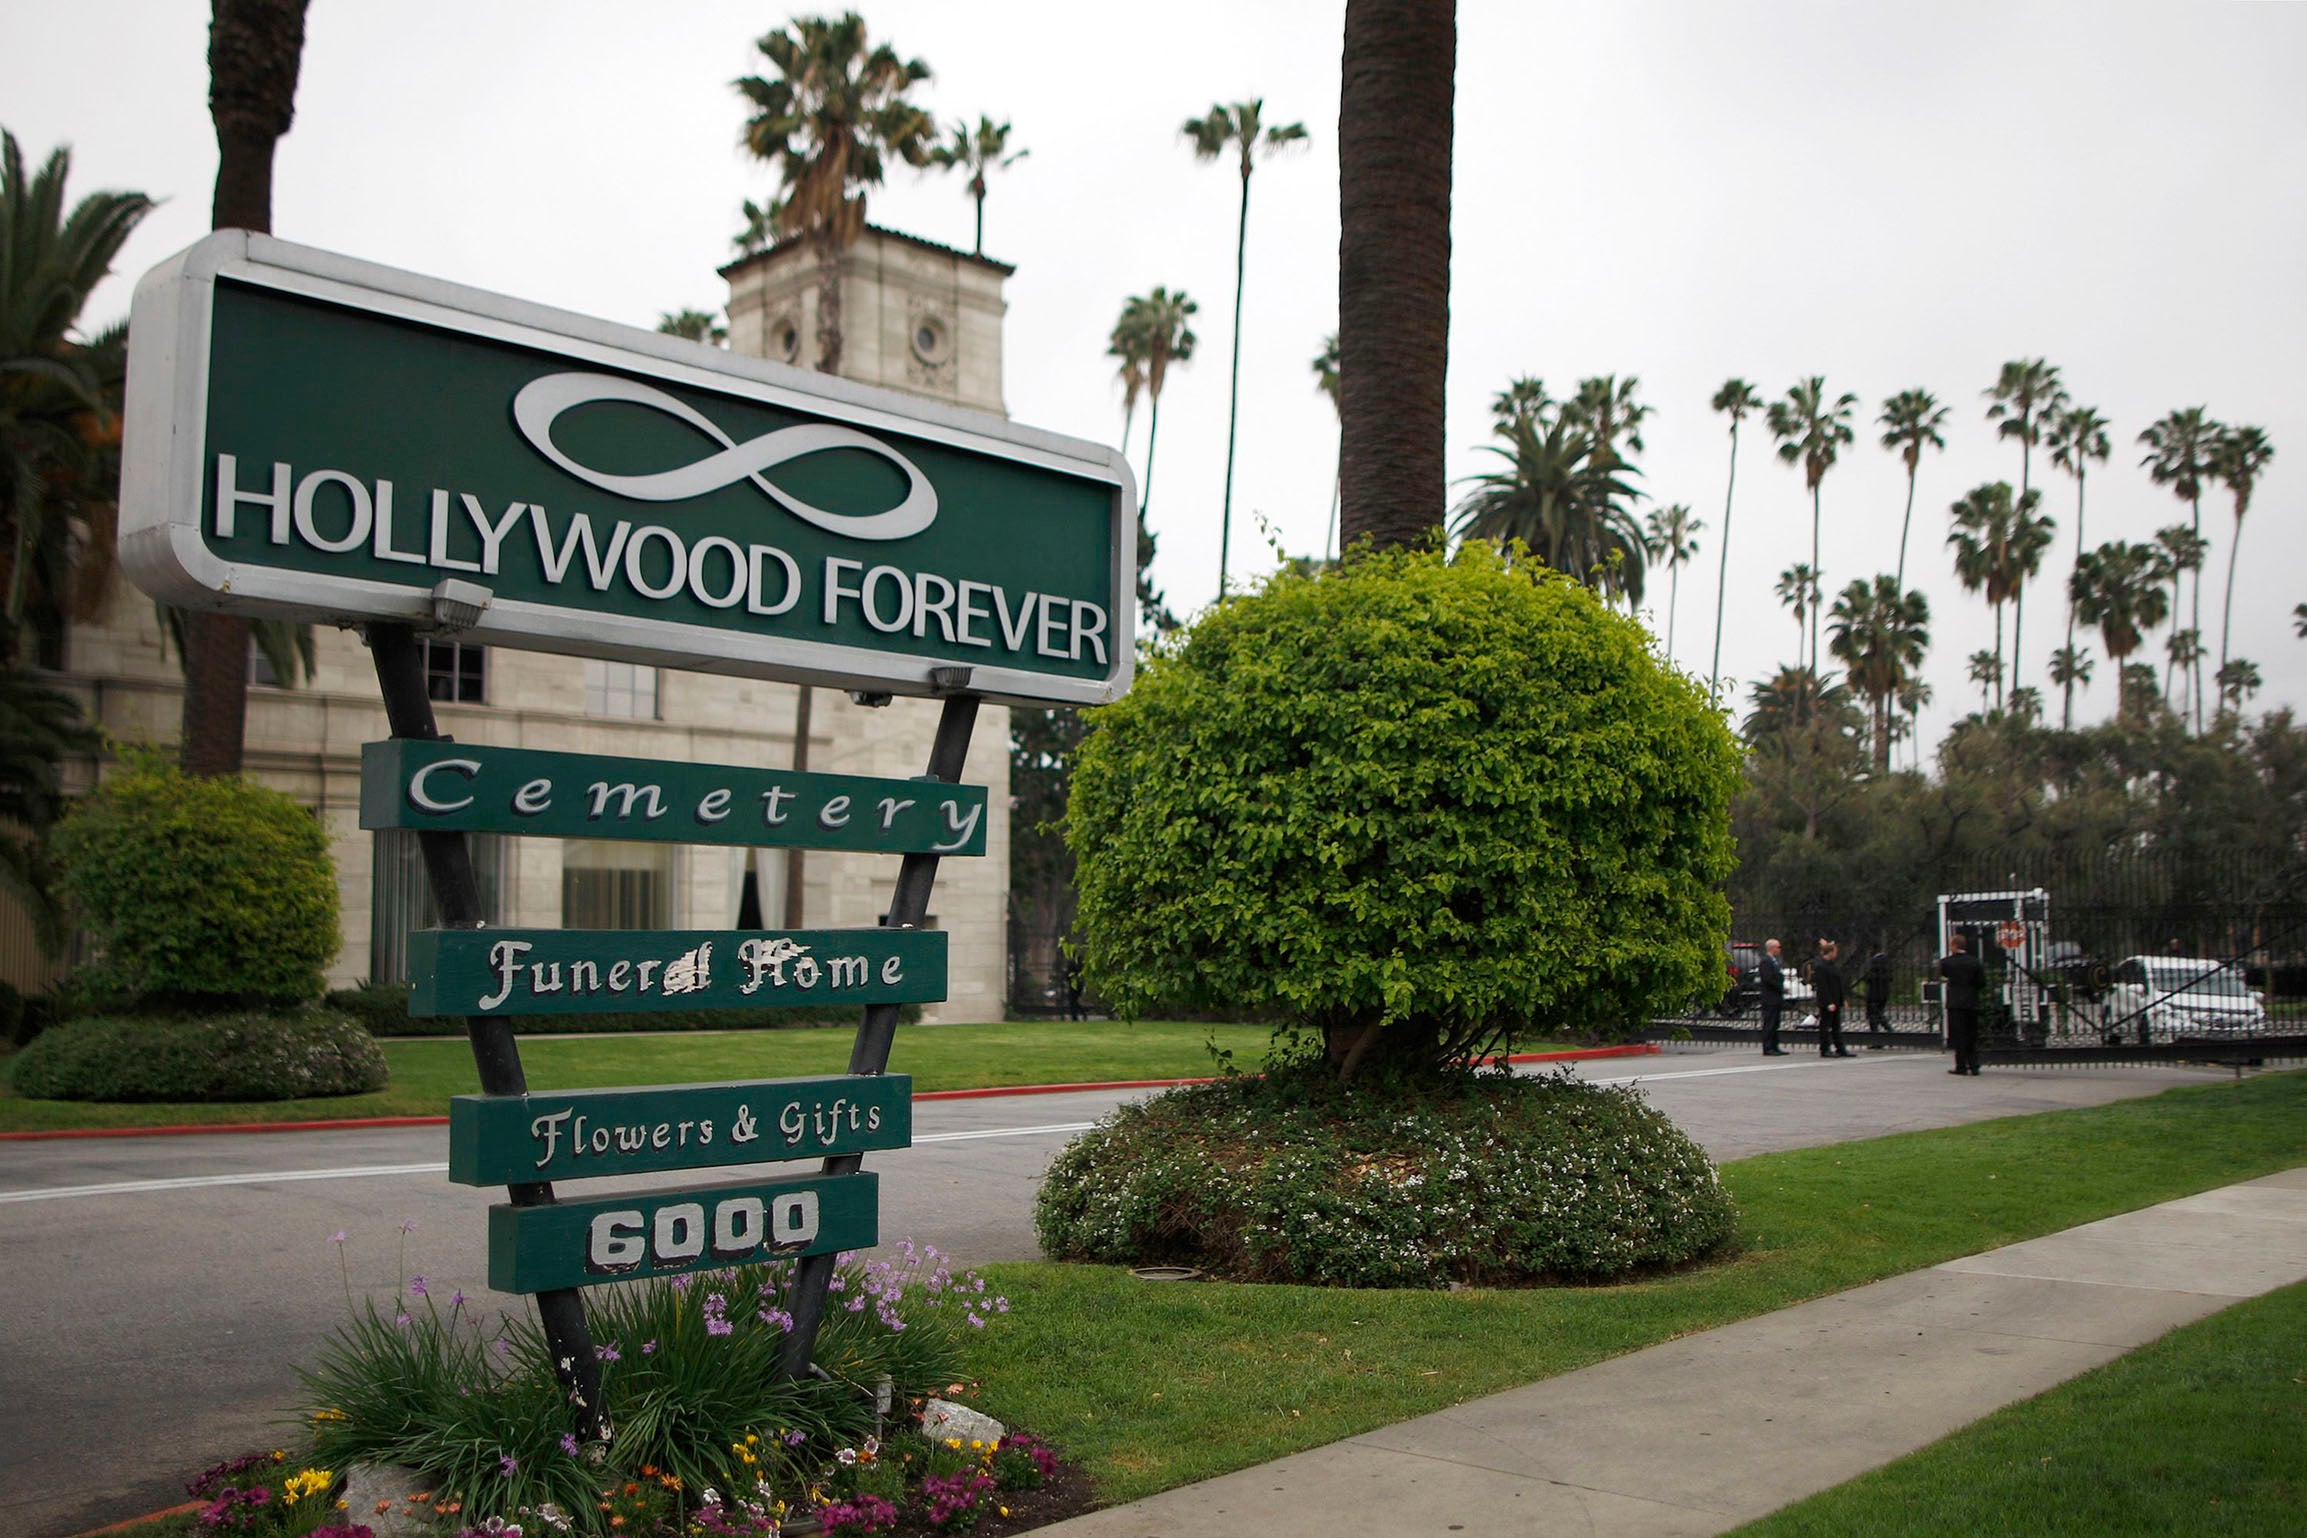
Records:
x=1576, y=1054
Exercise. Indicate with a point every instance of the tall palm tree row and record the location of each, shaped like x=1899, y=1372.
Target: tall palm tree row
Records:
x=1154, y=332
x=2184, y=551
x=835, y=114
x=977, y=148
x=2076, y=435
x=1812, y=432
x=2179, y=456
x=1241, y=127
x=1736, y=400
x=1910, y=423
x=1880, y=634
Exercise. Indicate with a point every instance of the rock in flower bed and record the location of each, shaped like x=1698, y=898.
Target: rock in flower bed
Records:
x=1479, y=1178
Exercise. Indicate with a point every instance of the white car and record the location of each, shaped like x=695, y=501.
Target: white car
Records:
x=2155, y=998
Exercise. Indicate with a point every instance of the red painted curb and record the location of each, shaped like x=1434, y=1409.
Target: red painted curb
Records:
x=1638, y=1049
x=119, y=1527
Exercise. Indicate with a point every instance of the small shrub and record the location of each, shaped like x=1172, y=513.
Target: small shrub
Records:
x=200, y=890
x=1487, y=1179
x=267, y=1496
x=243, y=1056
x=1023, y=1462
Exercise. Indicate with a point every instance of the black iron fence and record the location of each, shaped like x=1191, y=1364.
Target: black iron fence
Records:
x=2142, y=955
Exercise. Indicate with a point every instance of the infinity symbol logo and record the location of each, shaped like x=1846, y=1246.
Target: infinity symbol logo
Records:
x=542, y=401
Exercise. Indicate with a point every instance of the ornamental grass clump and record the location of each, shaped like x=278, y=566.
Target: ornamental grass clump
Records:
x=690, y=1386
x=1483, y=1179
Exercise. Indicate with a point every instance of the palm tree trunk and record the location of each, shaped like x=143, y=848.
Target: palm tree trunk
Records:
x=2067, y=711
x=1673, y=599
x=1882, y=734
x=255, y=48
x=980, y=248
x=1234, y=393
x=1722, y=568
x=2227, y=611
x=2195, y=671
x=1999, y=696
x=1152, y=431
x=828, y=243
x=1395, y=125
x=2018, y=625
x=1905, y=524
x=1817, y=576
x=1330, y=529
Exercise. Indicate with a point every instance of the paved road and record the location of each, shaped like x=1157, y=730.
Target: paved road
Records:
x=157, y=1289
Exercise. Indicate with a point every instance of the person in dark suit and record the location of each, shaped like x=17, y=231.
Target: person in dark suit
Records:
x=1877, y=988
x=1826, y=979
x=1773, y=984
x=1964, y=977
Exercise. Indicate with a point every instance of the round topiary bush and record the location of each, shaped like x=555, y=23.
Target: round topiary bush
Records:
x=1423, y=803
x=1485, y=1179
x=199, y=890
x=287, y=1055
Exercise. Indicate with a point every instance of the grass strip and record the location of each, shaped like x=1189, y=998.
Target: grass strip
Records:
x=1154, y=1385
x=2201, y=1432
x=426, y=1073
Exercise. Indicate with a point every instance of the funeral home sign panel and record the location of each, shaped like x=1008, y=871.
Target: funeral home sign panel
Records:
x=312, y=436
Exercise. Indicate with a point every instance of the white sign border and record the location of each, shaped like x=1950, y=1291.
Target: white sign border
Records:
x=164, y=453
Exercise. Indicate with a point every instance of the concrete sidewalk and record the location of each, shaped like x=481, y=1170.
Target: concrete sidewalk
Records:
x=1702, y=1434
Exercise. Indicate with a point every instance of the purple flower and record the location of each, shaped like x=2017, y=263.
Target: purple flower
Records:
x=408, y=1225
x=417, y=1287
x=795, y=1438
x=648, y=1348
x=508, y=1463
x=337, y=1238
x=609, y=1353
x=569, y=1443
x=504, y=1346
x=402, y=1319
x=457, y=1298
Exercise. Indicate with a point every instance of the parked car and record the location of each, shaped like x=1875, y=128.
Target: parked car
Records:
x=1745, y=995
x=2158, y=998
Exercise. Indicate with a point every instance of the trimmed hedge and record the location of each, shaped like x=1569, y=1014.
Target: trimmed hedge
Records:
x=199, y=889
x=384, y=1009
x=1486, y=1179
x=288, y=1055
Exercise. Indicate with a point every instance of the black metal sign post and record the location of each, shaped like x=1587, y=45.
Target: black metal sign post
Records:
x=908, y=906
x=400, y=675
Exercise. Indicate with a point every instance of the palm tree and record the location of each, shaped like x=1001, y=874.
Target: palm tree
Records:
x=1673, y=538
x=1798, y=590
x=1910, y=421
x=2027, y=390
x=830, y=121
x=1793, y=701
x=255, y=48
x=1880, y=634
x=2077, y=435
x=2119, y=589
x=1998, y=544
x=2299, y=619
x=1735, y=399
x=1152, y=334
x=59, y=398
x=2238, y=459
x=1242, y=127
x=694, y=326
x=2070, y=665
x=1325, y=367
x=1913, y=695
x=1555, y=497
x=1606, y=410
x=2238, y=680
x=1395, y=126
x=1986, y=670
x=2179, y=456
x=977, y=150
x=2184, y=551
x=1811, y=433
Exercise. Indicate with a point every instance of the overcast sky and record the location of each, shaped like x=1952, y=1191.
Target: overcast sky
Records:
x=1890, y=196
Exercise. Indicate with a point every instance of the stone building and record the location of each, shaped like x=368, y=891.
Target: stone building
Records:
x=920, y=318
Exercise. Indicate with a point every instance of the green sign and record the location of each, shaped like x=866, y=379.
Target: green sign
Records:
x=664, y=1233
x=594, y=971
x=455, y=787
x=317, y=437
x=497, y=1140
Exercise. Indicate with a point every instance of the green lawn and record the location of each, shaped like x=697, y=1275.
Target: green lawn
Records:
x=426, y=1073
x=1166, y=1383
x=2204, y=1432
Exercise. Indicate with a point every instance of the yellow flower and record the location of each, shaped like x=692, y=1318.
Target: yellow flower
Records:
x=752, y=1440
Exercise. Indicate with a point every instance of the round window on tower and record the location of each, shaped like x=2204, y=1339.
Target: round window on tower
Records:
x=929, y=340
x=785, y=340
